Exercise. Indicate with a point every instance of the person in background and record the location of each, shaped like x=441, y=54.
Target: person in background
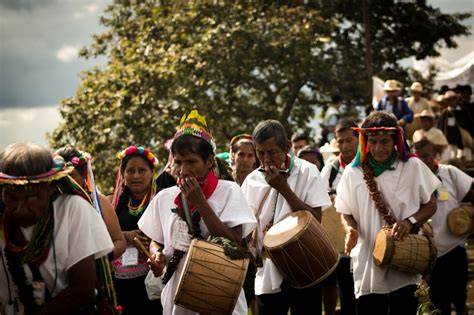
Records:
x=394, y=104
x=243, y=159
x=312, y=155
x=298, y=141
x=331, y=117
x=347, y=141
x=82, y=174
x=417, y=104
x=51, y=236
x=429, y=131
x=134, y=189
x=448, y=280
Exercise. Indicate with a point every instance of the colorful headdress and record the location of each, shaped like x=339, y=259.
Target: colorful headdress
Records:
x=132, y=150
x=119, y=181
x=195, y=125
x=59, y=169
x=400, y=144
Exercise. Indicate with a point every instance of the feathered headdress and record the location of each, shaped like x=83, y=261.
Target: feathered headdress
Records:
x=195, y=125
x=400, y=143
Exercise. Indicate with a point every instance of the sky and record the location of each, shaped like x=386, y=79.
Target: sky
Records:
x=39, y=42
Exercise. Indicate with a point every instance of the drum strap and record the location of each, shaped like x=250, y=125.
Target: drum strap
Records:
x=254, y=237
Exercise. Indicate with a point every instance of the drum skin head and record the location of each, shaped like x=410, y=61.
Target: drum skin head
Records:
x=287, y=229
x=383, y=249
x=460, y=220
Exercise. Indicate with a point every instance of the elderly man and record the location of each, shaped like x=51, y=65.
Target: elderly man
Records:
x=383, y=186
x=282, y=185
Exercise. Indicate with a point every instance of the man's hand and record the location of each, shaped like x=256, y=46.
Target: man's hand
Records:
x=130, y=235
x=351, y=240
x=157, y=263
x=192, y=191
x=401, y=229
x=274, y=178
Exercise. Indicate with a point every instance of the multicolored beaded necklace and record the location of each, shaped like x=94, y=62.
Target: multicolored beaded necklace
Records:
x=136, y=210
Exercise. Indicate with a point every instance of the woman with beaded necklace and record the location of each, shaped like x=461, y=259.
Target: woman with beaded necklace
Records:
x=133, y=191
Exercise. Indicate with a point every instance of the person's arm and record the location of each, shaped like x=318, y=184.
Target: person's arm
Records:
x=470, y=195
x=352, y=233
x=113, y=226
x=158, y=261
x=278, y=181
x=193, y=193
x=402, y=228
x=408, y=113
x=80, y=292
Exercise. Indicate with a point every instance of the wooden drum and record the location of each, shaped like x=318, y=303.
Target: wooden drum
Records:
x=210, y=283
x=331, y=222
x=416, y=254
x=460, y=220
x=301, y=249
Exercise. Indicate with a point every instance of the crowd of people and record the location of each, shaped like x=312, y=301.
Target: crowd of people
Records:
x=66, y=248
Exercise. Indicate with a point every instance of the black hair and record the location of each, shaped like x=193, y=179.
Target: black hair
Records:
x=346, y=124
x=336, y=98
x=127, y=158
x=380, y=119
x=271, y=129
x=68, y=153
x=423, y=143
x=297, y=136
x=186, y=144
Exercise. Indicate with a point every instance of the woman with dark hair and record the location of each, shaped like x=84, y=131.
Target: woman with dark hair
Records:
x=82, y=174
x=134, y=188
x=50, y=239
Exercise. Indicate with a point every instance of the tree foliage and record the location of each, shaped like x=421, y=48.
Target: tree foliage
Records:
x=237, y=62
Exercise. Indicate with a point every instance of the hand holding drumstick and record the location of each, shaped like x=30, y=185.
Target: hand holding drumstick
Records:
x=156, y=261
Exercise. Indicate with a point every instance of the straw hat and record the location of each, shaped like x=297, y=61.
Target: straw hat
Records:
x=426, y=113
x=449, y=95
x=391, y=86
x=416, y=87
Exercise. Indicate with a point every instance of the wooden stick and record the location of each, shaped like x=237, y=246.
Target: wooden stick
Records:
x=142, y=247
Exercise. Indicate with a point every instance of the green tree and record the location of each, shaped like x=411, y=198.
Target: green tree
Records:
x=237, y=62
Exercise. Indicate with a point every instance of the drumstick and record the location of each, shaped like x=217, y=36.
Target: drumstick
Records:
x=142, y=247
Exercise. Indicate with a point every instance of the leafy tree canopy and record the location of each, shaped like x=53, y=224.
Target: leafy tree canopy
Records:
x=237, y=62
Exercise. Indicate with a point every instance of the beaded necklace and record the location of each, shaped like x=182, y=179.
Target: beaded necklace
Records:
x=37, y=249
x=136, y=210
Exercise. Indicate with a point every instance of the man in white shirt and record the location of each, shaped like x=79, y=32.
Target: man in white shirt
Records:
x=429, y=131
x=448, y=280
x=383, y=177
x=217, y=208
x=289, y=184
x=347, y=141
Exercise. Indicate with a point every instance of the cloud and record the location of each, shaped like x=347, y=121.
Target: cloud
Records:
x=27, y=124
x=67, y=53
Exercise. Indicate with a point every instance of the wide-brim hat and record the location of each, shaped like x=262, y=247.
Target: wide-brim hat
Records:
x=449, y=95
x=426, y=113
x=391, y=86
x=416, y=87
